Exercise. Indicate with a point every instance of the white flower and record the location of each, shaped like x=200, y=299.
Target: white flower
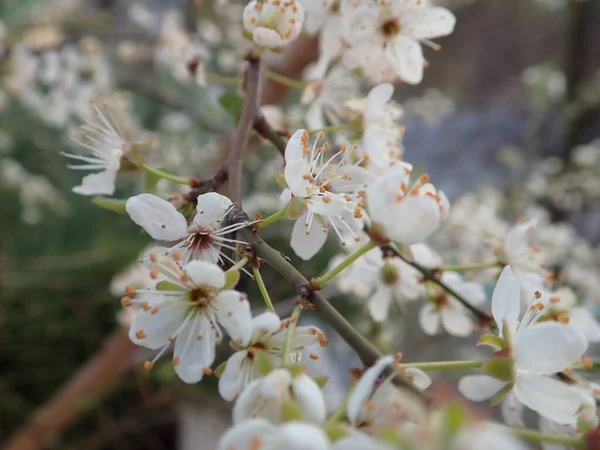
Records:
x=107, y=149
x=563, y=307
x=384, y=37
x=381, y=280
x=268, y=336
x=273, y=24
x=537, y=350
x=203, y=239
x=327, y=96
x=485, y=435
x=373, y=404
x=261, y=434
x=189, y=310
x=403, y=213
x=447, y=311
x=523, y=257
x=266, y=397
x=324, y=192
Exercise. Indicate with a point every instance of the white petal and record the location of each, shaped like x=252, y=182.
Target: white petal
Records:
x=195, y=348
x=250, y=16
x=456, y=320
x=550, y=398
x=156, y=327
x=377, y=99
x=364, y=388
x=506, y=300
x=211, y=207
x=232, y=380
x=548, y=347
x=379, y=303
x=359, y=441
x=233, y=312
x=358, y=177
x=310, y=398
x=419, y=378
x=307, y=245
x=411, y=220
x=102, y=183
x=478, y=388
x=294, y=150
x=406, y=56
x=298, y=436
x=427, y=23
x=264, y=324
x=248, y=401
x=512, y=411
x=429, y=319
x=267, y=38
x=205, y=273
x=582, y=320
x=244, y=435
x=296, y=174
x=158, y=217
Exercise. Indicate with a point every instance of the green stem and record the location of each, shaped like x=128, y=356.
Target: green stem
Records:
x=222, y=79
x=263, y=289
x=272, y=218
x=340, y=411
x=332, y=128
x=474, y=266
x=282, y=79
x=535, y=436
x=345, y=263
x=165, y=175
x=238, y=265
x=444, y=365
x=289, y=337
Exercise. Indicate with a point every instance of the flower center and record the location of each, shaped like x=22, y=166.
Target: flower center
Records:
x=389, y=274
x=201, y=239
x=202, y=295
x=335, y=7
x=390, y=27
x=441, y=300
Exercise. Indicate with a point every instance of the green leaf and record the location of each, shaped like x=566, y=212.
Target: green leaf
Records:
x=231, y=279
x=296, y=369
x=112, y=204
x=167, y=286
x=321, y=381
x=291, y=411
x=296, y=208
x=455, y=418
x=232, y=103
x=491, y=340
x=500, y=368
x=280, y=179
x=262, y=363
x=220, y=369
x=499, y=396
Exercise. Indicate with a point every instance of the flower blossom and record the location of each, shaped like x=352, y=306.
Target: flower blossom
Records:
x=403, y=213
x=384, y=38
x=536, y=351
x=563, y=305
x=189, y=311
x=376, y=404
x=107, y=148
x=268, y=336
x=382, y=135
x=203, y=239
x=321, y=195
x=267, y=397
x=275, y=23
x=445, y=310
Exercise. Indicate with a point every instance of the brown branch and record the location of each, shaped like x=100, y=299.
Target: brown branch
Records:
x=94, y=378
x=242, y=133
x=262, y=127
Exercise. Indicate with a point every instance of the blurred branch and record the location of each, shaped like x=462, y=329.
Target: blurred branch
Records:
x=245, y=125
x=262, y=127
x=94, y=378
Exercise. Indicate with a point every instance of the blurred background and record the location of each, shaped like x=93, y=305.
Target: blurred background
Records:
x=507, y=122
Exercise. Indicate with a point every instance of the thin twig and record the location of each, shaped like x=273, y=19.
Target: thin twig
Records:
x=245, y=125
x=262, y=127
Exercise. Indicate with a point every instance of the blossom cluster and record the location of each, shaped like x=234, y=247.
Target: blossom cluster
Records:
x=343, y=174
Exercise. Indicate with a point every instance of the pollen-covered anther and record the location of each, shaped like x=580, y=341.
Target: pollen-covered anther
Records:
x=153, y=257
x=313, y=356
x=538, y=294
x=207, y=371
x=321, y=135
x=555, y=299
x=348, y=197
x=126, y=302
x=537, y=306
x=307, y=176
x=140, y=334
x=588, y=363
x=154, y=310
x=176, y=361
x=148, y=365
x=326, y=199
x=323, y=342
x=563, y=318
x=346, y=176
x=154, y=273
x=146, y=306
x=370, y=405
x=177, y=255
x=184, y=278
x=131, y=290
x=256, y=443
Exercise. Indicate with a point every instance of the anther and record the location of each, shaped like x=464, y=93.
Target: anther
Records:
x=314, y=356
x=130, y=290
x=154, y=273
x=148, y=365
x=140, y=334
x=126, y=302
x=176, y=361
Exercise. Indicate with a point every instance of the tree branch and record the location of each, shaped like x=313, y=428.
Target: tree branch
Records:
x=262, y=127
x=245, y=125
